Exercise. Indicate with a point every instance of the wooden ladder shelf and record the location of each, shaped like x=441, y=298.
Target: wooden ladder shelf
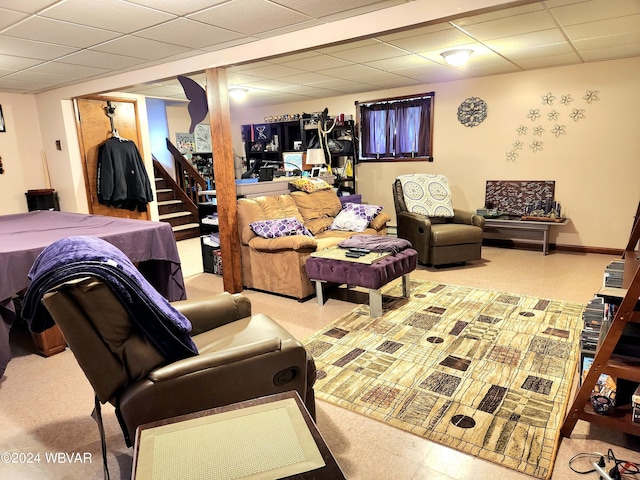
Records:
x=605, y=360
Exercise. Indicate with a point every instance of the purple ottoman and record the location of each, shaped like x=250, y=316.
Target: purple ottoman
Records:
x=368, y=275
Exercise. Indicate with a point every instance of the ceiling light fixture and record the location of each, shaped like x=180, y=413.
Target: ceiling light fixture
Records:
x=238, y=93
x=457, y=58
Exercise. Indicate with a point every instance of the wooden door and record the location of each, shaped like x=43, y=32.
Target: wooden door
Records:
x=94, y=128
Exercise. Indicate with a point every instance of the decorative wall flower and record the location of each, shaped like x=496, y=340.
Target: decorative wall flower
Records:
x=511, y=156
x=566, y=99
x=553, y=115
x=538, y=131
x=522, y=130
x=558, y=130
x=518, y=145
x=534, y=114
x=536, y=146
x=548, y=99
x=577, y=114
x=591, y=96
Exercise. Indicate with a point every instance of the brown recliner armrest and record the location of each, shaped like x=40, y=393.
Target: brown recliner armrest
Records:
x=380, y=221
x=211, y=312
x=468, y=218
x=214, y=359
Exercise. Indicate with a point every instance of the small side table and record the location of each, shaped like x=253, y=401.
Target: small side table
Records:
x=274, y=436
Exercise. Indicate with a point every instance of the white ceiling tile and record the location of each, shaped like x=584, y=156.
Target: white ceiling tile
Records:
x=78, y=71
x=17, y=63
x=609, y=41
x=404, y=61
x=595, y=10
x=264, y=16
x=326, y=7
x=305, y=78
x=507, y=27
x=549, y=61
x=9, y=17
x=414, y=32
x=178, y=7
x=187, y=33
x=273, y=71
x=318, y=63
x=370, y=53
x=499, y=14
x=446, y=39
x=351, y=72
x=269, y=84
x=528, y=45
x=231, y=43
x=611, y=53
x=140, y=47
x=27, y=48
x=101, y=60
x=59, y=33
x=287, y=29
x=27, y=6
x=366, y=7
x=113, y=15
x=604, y=28
x=34, y=76
x=395, y=82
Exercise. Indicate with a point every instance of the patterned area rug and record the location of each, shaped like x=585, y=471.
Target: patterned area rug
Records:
x=483, y=372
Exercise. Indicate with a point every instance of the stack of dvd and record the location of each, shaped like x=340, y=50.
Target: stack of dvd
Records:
x=613, y=274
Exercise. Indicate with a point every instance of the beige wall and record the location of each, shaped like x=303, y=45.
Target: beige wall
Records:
x=596, y=164
x=21, y=152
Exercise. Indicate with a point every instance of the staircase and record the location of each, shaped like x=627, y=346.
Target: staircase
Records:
x=179, y=212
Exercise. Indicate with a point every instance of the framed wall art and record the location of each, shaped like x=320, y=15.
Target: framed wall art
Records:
x=2, y=124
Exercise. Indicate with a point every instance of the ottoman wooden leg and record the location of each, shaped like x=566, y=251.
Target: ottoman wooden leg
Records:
x=375, y=302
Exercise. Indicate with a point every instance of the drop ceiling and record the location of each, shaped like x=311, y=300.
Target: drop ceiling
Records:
x=48, y=44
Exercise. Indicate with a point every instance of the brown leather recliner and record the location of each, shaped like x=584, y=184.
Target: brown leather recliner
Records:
x=439, y=240
x=241, y=356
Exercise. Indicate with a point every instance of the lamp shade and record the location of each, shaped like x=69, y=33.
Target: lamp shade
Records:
x=315, y=156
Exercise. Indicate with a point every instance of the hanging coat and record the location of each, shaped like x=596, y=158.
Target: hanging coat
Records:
x=122, y=179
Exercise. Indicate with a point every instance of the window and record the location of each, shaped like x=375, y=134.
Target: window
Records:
x=397, y=128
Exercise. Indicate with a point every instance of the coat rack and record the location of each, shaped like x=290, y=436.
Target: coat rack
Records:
x=110, y=111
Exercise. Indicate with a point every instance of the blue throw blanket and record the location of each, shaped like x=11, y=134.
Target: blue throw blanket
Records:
x=76, y=257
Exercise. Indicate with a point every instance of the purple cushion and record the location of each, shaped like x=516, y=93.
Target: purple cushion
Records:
x=280, y=227
x=363, y=210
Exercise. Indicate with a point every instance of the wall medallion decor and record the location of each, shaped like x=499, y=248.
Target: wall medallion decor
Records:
x=472, y=112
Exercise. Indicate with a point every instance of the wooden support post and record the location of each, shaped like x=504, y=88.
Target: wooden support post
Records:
x=224, y=171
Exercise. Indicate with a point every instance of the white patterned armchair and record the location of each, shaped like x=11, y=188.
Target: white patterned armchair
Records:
x=425, y=215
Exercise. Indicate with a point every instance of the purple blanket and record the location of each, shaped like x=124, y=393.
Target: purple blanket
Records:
x=76, y=257
x=376, y=243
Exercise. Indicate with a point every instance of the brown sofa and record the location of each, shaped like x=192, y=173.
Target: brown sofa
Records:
x=277, y=265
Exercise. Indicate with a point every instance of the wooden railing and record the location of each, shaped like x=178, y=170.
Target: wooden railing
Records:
x=188, y=179
x=188, y=203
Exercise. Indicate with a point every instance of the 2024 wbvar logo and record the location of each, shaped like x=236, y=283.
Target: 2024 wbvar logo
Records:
x=46, y=457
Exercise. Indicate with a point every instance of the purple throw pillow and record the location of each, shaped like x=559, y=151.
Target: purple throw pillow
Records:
x=280, y=227
x=364, y=211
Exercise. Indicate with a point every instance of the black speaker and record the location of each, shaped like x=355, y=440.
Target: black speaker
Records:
x=266, y=174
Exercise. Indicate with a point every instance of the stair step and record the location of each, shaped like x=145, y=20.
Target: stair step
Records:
x=168, y=202
x=186, y=226
x=164, y=190
x=167, y=216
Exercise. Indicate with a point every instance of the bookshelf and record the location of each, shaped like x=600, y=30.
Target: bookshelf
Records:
x=615, y=356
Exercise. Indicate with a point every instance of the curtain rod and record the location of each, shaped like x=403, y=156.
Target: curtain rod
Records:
x=399, y=100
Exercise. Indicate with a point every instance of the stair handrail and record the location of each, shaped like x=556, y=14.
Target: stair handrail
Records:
x=193, y=181
x=189, y=204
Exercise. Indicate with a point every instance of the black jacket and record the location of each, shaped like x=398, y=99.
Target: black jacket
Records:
x=122, y=179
